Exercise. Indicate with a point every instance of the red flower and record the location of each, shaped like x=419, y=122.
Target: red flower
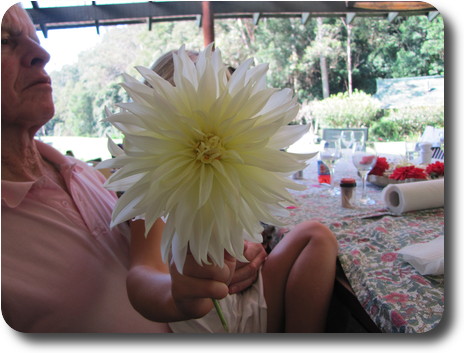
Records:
x=380, y=166
x=367, y=160
x=436, y=169
x=408, y=172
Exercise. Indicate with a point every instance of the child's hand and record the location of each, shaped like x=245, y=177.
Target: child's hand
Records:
x=193, y=291
x=246, y=273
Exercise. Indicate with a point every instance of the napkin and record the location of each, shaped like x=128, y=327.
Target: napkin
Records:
x=427, y=258
x=414, y=196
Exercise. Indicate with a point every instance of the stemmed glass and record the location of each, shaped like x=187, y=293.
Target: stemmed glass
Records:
x=347, y=138
x=358, y=136
x=364, y=159
x=330, y=153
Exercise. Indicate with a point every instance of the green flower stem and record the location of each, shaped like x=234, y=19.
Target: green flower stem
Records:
x=220, y=314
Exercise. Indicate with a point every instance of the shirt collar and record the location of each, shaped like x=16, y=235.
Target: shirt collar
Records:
x=14, y=192
x=54, y=156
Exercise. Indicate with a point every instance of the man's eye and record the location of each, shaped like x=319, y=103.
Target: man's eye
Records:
x=4, y=41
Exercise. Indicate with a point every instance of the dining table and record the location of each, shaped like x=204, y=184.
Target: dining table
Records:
x=392, y=295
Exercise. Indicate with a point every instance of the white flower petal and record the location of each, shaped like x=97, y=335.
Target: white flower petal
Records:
x=114, y=149
x=206, y=184
x=257, y=75
x=237, y=80
x=117, y=162
x=275, y=161
x=184, y=69
x=162, y=86
x=287, y=135
x=279, y=98
x=126, y=207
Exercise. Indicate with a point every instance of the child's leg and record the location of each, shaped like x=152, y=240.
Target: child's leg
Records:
x=298, y=279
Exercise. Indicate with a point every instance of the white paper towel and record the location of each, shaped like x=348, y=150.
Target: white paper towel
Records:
x=414, y=196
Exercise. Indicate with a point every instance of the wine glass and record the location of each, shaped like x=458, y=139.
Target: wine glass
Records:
x=330, y=153
x=358, y=136
x=347, y=137
x=364, y=159
x=347, y=140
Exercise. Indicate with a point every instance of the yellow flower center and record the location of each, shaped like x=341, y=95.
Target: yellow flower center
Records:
x=209, y=148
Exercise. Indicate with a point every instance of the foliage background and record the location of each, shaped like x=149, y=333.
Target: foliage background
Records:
x=406, y=47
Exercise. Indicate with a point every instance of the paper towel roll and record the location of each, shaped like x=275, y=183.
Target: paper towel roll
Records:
x=414, y=196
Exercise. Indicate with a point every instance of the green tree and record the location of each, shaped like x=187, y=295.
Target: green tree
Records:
x=81, y=111
x=411, y=46
x=406, y=47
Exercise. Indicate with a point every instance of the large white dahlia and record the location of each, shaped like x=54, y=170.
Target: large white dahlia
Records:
x=206, y=154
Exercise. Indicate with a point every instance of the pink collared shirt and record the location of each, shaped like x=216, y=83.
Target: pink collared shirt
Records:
x=63, y=268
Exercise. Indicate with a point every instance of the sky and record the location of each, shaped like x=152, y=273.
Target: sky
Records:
x=64, y=45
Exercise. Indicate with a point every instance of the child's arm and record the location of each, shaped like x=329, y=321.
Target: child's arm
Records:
x=160, y=296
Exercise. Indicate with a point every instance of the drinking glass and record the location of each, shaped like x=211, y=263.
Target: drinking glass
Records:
x=411, y=150
x=330, y=153
x=364, y=159
x=358, y=136
x=347, y=137
x=347, y=140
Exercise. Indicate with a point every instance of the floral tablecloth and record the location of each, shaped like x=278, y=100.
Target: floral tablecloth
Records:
x=393, y=293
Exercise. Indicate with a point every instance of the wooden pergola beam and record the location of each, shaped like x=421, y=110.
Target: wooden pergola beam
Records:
x=208, y=23
x=47, y=18
x=42, y=26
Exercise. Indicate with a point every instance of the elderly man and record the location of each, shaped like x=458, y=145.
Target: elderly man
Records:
x=63, y=268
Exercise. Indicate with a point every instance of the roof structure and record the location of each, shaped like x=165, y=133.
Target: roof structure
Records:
x=411, y=91
x=95, y=13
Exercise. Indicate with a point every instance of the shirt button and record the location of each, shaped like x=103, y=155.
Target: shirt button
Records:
x=65, y=203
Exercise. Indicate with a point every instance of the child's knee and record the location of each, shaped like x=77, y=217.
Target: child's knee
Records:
x=318, y=232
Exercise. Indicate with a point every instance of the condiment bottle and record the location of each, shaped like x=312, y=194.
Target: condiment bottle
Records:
x=323, y=173
x=348, y=192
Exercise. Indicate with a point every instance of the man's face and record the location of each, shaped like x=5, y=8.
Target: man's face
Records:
x=26, y=88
